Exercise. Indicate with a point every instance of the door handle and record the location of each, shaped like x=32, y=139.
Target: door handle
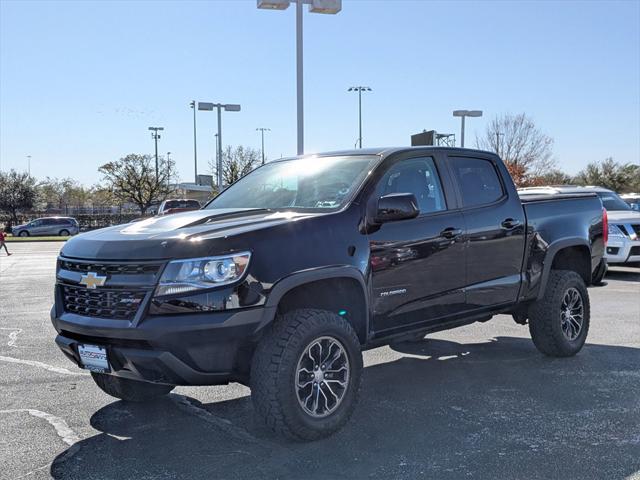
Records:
x=510, y=223
x=451, y=232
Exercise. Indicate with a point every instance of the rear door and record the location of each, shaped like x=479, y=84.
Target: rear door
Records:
x=418, y=265
x=495, y=224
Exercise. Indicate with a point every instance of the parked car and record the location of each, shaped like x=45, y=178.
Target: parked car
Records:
x=624, y=223
x=62, y=226
x=283, y=279
x=633, y=199
x=177, y=206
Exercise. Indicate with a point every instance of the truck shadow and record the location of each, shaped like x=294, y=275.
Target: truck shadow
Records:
x=627, y=274
x=496, y=409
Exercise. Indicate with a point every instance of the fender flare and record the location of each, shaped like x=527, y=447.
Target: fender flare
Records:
x=550, y=256
x=288, y=283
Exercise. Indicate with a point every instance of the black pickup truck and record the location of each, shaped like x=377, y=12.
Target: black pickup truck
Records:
x=282, y=280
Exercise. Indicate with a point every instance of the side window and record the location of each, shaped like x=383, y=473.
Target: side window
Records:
x=478, y=180
x=418, y=176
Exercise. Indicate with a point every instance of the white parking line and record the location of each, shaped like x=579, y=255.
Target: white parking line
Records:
x=67, y=435
x=62, y=429
x=51, y=368
x=13, y=336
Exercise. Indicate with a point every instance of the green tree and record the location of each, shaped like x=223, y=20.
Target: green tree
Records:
x=62, y=194
x=619, y=177
x=133, y=179
x=17, y=192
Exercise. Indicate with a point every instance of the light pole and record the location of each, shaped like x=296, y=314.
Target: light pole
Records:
x=229, y=107
x=29, y=164
x=155, y=135
x=262, y=130
x=195, y=145
x=359, y=89
x=169, y=168
x=315, y=6
x=464, y=114
x=498, y=135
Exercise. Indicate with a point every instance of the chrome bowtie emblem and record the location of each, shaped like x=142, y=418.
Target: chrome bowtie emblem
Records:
x=92, y=280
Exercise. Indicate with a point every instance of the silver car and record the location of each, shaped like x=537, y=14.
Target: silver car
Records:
x=62, y=226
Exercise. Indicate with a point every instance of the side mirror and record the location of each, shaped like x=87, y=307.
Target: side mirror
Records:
x=397, y=206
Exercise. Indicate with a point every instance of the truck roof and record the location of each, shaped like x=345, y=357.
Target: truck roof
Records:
x=383, y=151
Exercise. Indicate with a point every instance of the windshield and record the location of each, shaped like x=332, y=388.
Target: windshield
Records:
x=312, y=183
x=611, y=201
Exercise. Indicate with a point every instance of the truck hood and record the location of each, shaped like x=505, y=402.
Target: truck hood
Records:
x=179, y=235
x=623, y=216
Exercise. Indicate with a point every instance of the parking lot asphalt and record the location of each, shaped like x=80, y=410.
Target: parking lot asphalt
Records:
x=475, y=402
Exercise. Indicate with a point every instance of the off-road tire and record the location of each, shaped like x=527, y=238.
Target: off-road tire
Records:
x=129, y=390
x=545, y=316
x=273, y=373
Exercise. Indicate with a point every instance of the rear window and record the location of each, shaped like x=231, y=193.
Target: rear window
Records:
x=478, y=180
x=181, y=204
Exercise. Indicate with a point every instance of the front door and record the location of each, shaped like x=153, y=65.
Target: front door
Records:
x=418, y=265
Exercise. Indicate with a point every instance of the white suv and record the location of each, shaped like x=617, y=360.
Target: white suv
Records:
x=624, y=223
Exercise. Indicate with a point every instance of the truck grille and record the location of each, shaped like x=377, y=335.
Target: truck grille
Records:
x=109, y=268
x=112, y=304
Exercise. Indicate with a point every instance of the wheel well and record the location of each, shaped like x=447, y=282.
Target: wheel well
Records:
x=577, y=259
x=343, y=296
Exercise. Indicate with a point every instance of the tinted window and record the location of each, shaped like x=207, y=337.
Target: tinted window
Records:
x=478, y=180
x=611, y=201
x=418, y=176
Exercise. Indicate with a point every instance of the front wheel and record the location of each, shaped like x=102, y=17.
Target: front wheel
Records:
x=64, y=233
x=23, y=233
x=305, y=374
x=129, y=390
x=559, y=321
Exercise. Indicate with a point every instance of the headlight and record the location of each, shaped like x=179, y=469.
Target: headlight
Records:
x=615, y=231
x=199, y=273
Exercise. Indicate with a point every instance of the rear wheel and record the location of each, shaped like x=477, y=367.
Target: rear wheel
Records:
x=306, y=374
x=559, y=321
x=129, y=390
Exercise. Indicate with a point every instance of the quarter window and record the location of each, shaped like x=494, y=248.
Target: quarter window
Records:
x=418, y=176
x=478, y=180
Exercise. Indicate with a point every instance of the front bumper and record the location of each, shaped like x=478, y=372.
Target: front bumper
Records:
x=195, y=349
x=622, y=250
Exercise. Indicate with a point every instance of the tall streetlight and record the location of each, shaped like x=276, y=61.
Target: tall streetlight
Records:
x=315, y=6
x=29, y=164
x=359, y=89
x=228, y=108
x=195, y=146
x=464, y=114
x=498, y=135
x=262, y=130
x=155, y=135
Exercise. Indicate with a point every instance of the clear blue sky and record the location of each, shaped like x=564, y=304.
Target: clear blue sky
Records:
x=80, y=82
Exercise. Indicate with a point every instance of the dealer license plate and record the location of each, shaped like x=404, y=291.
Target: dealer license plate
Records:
x=94, y=358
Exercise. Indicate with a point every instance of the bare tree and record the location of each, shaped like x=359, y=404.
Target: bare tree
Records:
x=527, y=152
x=133, y=179
x=236, y=163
